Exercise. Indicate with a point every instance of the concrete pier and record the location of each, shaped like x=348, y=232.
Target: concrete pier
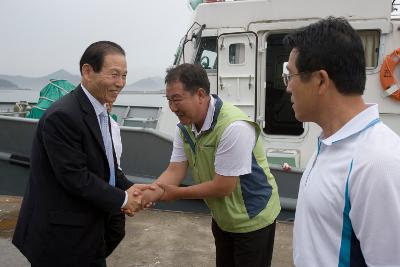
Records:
x=153, y=238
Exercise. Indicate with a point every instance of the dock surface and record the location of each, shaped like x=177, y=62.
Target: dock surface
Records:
x=154, y=238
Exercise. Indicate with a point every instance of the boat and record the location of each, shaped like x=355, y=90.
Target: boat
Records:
x=239, y=44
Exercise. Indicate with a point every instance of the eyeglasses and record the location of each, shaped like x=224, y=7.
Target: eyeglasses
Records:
x=286, y=77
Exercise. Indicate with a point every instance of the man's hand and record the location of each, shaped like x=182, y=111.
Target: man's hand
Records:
x=137, y=189
x=170, y=191
x=133, y=204
x=151, y=196
x=135, y=195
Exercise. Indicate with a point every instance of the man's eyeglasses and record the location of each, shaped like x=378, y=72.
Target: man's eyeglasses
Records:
x=286, y=77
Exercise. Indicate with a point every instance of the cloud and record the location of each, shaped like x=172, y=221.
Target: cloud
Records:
x=42, y=36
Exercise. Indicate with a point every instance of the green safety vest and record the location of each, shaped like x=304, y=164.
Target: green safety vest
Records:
x=254, y=204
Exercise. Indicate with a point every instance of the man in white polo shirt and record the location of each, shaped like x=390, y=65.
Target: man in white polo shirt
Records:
x=348, y=210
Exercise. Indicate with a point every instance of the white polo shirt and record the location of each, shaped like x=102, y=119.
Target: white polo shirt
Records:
x=233, y=156
x=349, y=198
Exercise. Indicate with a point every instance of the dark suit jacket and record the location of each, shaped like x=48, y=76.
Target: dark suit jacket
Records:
x=68, y=198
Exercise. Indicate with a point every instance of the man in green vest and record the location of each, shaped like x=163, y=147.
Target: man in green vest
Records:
x=224, y=151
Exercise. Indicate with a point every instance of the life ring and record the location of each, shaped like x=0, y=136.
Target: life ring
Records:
x=391, y=87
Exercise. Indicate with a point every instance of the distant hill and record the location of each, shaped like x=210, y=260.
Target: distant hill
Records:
x=148, y=84
x=4, y=84
x=37, y=83
x=16, y=82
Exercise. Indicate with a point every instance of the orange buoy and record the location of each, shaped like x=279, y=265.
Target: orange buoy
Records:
x=389, y=83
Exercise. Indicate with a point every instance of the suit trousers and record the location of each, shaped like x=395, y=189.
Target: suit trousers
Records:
x=114, y=231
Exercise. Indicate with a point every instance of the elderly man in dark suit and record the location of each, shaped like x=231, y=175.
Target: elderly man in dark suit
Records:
x=71, y=214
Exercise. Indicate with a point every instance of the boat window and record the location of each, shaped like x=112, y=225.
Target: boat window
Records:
x=236, y=54
x=207, y=53
x=279, y=114
x=370, y=41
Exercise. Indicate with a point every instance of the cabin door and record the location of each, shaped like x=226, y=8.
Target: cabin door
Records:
x=237, y=61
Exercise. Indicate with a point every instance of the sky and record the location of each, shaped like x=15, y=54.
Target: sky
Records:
x=38, y=37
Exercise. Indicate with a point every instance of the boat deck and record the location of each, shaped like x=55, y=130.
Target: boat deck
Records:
x=153, y=238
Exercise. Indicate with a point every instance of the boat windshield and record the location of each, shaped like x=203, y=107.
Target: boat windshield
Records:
x=193, y=34
x=179, y=50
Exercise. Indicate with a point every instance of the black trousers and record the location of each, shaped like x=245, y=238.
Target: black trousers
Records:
x=114, y=231
x=253, y=249
x=95, y=263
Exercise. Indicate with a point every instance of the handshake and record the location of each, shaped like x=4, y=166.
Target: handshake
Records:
x=142, y=196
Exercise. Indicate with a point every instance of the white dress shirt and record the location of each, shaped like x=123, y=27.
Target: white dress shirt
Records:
x=99, y=108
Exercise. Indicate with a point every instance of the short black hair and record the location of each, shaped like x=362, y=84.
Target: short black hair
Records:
x=192, y=76
x=94, y=55
x=333, y=45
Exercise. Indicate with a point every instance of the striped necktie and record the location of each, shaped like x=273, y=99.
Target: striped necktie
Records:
x=105, y=132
